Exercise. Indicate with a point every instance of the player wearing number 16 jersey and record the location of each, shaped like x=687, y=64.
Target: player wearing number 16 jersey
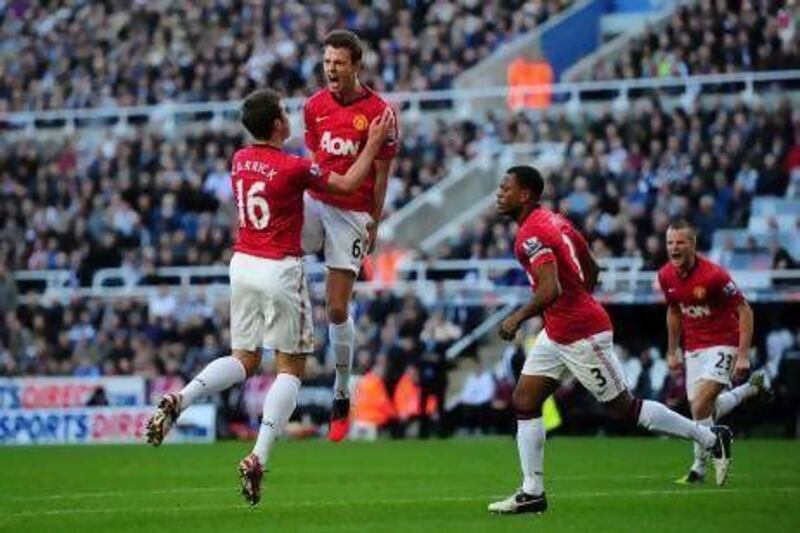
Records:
x=708, y=315
x=270, y=306
x=577, y=339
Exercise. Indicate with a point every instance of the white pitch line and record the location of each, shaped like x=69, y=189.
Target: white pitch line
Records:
x=398, y=501
x=189, y=490
x=119, y=494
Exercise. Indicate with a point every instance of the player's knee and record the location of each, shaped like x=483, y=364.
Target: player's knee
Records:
x=250, y=360
x=525, y=404
x=337, y=314
x=624, y=408
x=702, y=408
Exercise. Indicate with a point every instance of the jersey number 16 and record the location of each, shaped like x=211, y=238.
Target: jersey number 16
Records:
x=253, y=206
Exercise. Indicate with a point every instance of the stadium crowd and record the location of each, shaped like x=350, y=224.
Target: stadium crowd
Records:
x=622, y=181
x=711, y=37
x=115, y=53
x=144, y=201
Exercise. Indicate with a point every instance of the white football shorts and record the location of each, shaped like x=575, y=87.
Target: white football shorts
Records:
x=270, y=306
x=592, y=361
x=709, y=364
x=340, y=234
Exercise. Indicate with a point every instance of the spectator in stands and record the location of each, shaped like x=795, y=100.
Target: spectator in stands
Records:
x=122, y=54
x=409, y=405
x=8, y=291
x=373, y=408
x=788, y=380
x=710, y=38
x=654, y=374
x=475, y=400
x=779, y=339
x=432, y=370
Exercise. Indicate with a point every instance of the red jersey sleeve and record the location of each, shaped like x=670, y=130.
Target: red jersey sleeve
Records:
x=311, y=137
x=538, y=251
x=392, y=142
x=662, y=284
x=725, y=289
x=313, y=176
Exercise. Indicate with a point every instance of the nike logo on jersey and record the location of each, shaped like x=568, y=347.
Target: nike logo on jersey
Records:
x=320, y=119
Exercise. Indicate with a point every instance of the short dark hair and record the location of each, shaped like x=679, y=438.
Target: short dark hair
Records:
x=528, y=178
x=682, y=224
x=259, y=111
x=345, y=39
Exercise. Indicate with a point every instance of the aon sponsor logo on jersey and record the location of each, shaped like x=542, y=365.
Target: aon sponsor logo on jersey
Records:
x=696, y=311
x=338, y=146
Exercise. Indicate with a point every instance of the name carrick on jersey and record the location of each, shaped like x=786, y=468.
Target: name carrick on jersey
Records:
x=268, y=187
x=708, y=299
x=336, y=133
x=547, y=237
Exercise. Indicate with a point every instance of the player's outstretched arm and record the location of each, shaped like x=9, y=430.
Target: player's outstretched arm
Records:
x=548, y=289
x=378, y=131
x=742, y=365
x=383, y=168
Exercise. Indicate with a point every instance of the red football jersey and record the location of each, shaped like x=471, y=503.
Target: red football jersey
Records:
x=546, y=237
x=707, y=298
x=268, y=187
x=336, y=133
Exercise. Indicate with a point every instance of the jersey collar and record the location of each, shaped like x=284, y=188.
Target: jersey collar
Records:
x=366, y=92
x=691, y=270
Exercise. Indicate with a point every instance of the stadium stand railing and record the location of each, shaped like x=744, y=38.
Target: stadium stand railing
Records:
x=168, y=113
x=484, y=282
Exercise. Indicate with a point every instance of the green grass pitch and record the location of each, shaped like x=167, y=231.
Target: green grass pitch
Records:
x=593, y=484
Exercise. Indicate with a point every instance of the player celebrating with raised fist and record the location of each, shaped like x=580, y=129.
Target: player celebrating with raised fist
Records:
x=709, y=317
x=270, y=306
x=344, y=227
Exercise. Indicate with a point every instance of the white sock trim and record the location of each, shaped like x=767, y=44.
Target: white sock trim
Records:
x=700, y=452
x=279, y=404
x=729, y=400
x=531, y=437
x=217, y=376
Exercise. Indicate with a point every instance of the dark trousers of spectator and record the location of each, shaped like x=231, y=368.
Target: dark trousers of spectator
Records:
x=477, y=418
x=425, y=422
x=504, y=421
x=789, y=377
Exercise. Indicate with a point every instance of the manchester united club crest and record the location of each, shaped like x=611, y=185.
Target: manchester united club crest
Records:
x=699, y=292
x=360, y=122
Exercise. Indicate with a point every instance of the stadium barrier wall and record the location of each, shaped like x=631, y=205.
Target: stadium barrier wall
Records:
x=59, y=410
x=100, y=425
x=67, y=392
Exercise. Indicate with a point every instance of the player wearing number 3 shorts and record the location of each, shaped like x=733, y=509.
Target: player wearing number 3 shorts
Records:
x=577, y=339
x=270, y=305
x=709, y=318
x=343, y=227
